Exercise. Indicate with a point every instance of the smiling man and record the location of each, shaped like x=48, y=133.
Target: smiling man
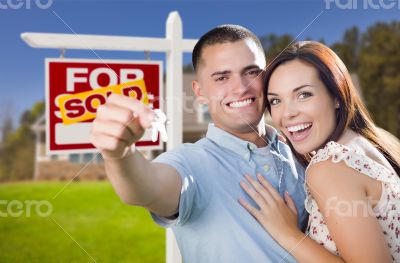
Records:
x=229, y=81
x=194, y=189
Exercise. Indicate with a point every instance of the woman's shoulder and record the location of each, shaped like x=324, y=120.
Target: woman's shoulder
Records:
x=330, y=157
x=328, y=169
x=356, y=157
x=332, y=150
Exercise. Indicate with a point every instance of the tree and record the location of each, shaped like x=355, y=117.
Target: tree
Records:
x=18, y=151
x=188, y=68
x=274, y=44
x=6, y=119
x=379, y=74
x=6, y=128
x=349, y=48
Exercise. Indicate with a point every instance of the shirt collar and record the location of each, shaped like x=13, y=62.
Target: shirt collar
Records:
x=237, y=145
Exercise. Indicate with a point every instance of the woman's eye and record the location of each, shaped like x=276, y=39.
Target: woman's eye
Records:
x=273, y=101
x=304, y=95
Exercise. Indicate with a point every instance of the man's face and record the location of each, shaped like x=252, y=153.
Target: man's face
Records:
x=229, y=80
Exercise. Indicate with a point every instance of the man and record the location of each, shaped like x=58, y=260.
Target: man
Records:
x=194, y=189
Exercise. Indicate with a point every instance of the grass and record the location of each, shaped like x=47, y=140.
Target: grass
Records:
x=88, y=212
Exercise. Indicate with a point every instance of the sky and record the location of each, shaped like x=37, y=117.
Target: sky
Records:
x=22, y=76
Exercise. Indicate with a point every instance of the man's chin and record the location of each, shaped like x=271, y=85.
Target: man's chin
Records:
x=245, y=127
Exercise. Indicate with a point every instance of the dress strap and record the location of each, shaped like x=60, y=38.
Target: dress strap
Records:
x=356, y=160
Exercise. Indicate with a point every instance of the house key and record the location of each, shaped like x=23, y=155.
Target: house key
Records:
x=158, y=126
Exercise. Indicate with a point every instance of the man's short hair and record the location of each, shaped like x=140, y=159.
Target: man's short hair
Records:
x=219, y=35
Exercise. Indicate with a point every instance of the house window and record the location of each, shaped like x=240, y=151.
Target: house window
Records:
x=99, y=158
x=203, y=115
x=74, y=158
x=87, y=157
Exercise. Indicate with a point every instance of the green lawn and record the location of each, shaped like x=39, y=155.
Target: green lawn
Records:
x=90, y=212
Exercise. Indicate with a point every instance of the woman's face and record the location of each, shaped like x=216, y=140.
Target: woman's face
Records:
x=301, y=106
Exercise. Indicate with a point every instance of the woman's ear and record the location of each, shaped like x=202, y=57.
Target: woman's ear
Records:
x=337, y=104
x=198, y=91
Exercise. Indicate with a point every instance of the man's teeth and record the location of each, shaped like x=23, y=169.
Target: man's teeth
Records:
x=298, y=127
x=239, y=104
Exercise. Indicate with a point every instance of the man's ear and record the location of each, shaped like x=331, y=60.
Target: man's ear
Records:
x=201, y=99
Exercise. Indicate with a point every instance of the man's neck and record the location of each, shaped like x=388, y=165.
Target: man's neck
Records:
x=251, y=136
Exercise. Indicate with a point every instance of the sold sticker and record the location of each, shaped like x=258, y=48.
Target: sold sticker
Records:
x=83, y=106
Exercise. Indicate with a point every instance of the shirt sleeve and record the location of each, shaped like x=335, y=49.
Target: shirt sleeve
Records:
x=189, y=192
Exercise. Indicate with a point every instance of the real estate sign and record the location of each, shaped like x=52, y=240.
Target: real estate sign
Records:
x=76, y=87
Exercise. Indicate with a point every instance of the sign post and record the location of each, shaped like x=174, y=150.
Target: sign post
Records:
x=173, y=45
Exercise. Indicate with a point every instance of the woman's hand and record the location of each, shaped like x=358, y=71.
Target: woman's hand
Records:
x=278, y=216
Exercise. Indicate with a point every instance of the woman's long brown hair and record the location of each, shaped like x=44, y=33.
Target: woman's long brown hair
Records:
x=352, y=112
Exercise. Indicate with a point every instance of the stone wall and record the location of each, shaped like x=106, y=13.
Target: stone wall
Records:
x=65, y=171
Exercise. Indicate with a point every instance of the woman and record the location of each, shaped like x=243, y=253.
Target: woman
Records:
x=352, y=182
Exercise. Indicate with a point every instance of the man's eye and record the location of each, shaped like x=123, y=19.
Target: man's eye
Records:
x=253, y=72
x=222, y=78
x=273, y=101
x=304, y=95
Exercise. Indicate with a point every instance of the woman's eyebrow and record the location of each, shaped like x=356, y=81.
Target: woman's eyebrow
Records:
x=294, y=90
x=302, y=86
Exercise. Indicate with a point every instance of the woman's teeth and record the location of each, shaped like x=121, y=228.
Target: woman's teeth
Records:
x=298, y=127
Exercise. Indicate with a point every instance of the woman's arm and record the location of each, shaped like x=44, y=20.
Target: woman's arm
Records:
x=341, y=195
x=357, y=235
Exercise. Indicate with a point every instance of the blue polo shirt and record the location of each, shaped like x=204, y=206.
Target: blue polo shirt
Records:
x=212, y=226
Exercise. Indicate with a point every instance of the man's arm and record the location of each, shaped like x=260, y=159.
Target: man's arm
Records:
x=119, y=123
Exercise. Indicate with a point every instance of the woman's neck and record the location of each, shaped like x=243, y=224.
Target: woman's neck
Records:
x=348, y=137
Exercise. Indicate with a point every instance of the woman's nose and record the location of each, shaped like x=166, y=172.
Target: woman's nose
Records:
x=290, y=110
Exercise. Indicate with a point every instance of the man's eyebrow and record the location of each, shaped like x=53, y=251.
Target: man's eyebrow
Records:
x=221, y=72
x=251, y=67
x=229, y=71
x=294, y=90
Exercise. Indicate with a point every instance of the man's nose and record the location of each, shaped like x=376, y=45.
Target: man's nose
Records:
x=239, y=84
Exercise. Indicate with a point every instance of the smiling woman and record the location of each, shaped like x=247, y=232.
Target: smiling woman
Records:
x=302, y=106
x=312, y=72
x=352, y=175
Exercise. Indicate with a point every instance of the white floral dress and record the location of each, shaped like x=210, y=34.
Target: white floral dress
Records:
x=387, y=210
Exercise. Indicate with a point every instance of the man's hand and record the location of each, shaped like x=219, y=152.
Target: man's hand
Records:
x=119, y=123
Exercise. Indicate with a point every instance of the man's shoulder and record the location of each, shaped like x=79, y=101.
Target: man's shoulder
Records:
x=187, y=151
x=199, y=146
